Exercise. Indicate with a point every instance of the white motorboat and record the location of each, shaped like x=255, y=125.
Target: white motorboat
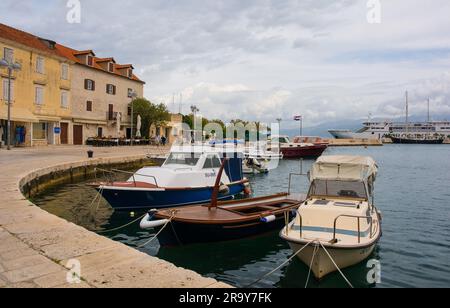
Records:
x=338, y=226
x=259, y=150
x=187, y=177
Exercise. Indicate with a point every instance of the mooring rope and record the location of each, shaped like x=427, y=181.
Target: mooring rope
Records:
x=159, y=232
x=124, y=226
x=311, y=265
x=337, y=267
x=279, y=267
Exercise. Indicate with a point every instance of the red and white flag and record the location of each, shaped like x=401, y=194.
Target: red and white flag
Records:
x=298, y=118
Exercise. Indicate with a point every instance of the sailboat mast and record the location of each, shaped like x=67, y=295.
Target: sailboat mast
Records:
x=407, y=108
x=429, y=118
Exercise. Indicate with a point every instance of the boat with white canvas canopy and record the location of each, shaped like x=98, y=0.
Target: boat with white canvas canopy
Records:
x=338, y=225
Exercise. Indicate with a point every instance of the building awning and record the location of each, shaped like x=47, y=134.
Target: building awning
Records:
x=90, y=121
x=48, y=118
x=18, y=114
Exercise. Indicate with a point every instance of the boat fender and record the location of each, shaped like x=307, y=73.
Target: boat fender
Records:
x=224, y=190
x=148, y=223
x=247, y=189
x=268, y=219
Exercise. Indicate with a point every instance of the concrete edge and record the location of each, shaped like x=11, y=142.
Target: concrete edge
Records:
x=28, y=177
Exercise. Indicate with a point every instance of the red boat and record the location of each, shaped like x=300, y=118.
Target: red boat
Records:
x=297, y=150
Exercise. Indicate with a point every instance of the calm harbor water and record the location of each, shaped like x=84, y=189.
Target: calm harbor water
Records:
x=412, y=191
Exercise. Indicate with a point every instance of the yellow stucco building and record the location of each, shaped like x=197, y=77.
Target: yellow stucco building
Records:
x=40, y=91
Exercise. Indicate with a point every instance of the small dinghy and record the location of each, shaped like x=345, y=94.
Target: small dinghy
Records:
x=221, y=221
x=338, y=226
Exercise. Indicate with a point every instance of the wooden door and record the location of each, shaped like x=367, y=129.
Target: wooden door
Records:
x=64, y=133
x=111, y=112
x=78, y=134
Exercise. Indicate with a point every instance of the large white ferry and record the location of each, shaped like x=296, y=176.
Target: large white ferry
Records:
x=379, y=130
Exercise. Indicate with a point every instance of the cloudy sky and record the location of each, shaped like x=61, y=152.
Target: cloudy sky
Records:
x=262, y=59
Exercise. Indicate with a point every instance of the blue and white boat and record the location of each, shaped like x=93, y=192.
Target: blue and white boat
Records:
x=187, y=177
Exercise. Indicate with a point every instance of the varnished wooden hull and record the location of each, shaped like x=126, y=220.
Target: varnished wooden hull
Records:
x=181, y=233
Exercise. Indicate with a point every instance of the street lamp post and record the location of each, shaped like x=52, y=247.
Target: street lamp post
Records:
x=11, y=67
x=133, y=97
x=279, y=120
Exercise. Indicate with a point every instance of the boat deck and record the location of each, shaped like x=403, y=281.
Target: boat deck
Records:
x=233, y=211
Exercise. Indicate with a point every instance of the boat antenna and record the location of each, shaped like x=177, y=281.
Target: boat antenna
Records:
x=215, y=194
x=429, y=119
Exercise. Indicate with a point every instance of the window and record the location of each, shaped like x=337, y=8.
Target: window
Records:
x=89, y=106
x=100, y=132
x=65, y=71
x=40, y=65
x=89, y=84
x=345, y=189
x=130, y=73
x=130, y=92
x=39, y=131
x=129, y=111
x=189, y=159
x=90, y=60
x=212, y=162
x=64, y=99
x=111, y=67
x=39, y=96
x=111, y=89
x=8, y=54
x=6, y=90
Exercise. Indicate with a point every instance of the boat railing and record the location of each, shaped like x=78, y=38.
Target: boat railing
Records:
x=334, y=240
x=133, y=175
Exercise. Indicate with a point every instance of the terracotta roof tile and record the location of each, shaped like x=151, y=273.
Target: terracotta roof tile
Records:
x=35, y=42
x=84, y=52
x=25, y=39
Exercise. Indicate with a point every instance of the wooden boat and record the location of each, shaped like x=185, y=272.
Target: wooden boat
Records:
x=338, y=224
x=221, y=221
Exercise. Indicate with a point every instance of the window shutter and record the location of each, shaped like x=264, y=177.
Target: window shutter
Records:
x=85, y=84
x=93, y=85
x=114, y=90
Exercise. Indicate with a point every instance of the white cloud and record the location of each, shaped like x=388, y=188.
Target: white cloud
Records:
x=261, y=59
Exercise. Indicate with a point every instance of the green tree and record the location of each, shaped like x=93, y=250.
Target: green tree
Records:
x=151, y=114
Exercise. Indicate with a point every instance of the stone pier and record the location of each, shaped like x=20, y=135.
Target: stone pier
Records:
x=36, y=246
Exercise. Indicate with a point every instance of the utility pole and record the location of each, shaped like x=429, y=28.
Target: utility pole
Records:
x=11, y=67
x=133, y=97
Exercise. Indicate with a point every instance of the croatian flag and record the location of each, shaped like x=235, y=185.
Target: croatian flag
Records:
x=298, y=118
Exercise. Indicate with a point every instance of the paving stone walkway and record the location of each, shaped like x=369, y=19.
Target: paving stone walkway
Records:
x=36, y=247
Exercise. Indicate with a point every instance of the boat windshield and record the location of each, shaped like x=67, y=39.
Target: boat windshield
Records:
x=281, y=140
x=339, y=189
x=188, y=159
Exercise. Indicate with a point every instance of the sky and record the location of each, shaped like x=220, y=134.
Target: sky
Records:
x=260, y=59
